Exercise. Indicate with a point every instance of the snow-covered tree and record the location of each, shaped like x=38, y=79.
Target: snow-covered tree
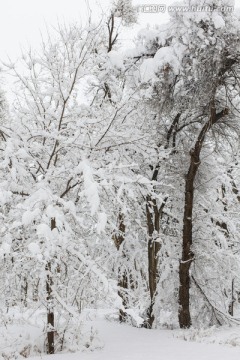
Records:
x=191, y=76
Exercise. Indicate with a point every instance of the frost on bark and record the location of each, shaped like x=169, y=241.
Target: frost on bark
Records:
x=50, y=309
x=154, y=214
x=153, y=224
x=118, y=239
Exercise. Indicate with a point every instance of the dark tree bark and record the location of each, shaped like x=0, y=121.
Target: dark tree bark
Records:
x=154, y=215
x=231, y=305
x=123, y=286
x=25, y=291
x=153, y=225
x=50, y=309
x=112, y=38
x=119, y=239
x=187, y=254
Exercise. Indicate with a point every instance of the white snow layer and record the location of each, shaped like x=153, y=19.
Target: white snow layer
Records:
x=123, y=342
x=164, y=58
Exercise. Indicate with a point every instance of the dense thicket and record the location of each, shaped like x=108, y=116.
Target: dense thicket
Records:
x=119, y=172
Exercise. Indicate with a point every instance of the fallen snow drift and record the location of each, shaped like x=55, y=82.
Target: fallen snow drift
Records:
x=122, y=342
x=110, y=340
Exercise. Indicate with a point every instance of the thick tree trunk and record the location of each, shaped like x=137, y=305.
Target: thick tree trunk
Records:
x=153, y=226
x=50, y=309
x=154, y=215
x=118, y=239
x=187, y=254
x=123, y=287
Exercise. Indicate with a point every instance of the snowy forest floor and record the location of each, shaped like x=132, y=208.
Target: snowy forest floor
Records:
x=109, y=340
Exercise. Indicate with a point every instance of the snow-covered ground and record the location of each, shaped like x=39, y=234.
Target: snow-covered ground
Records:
x=123, y=342
x=113, y=341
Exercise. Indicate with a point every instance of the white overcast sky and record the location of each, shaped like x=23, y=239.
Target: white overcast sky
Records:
x=21, y=21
